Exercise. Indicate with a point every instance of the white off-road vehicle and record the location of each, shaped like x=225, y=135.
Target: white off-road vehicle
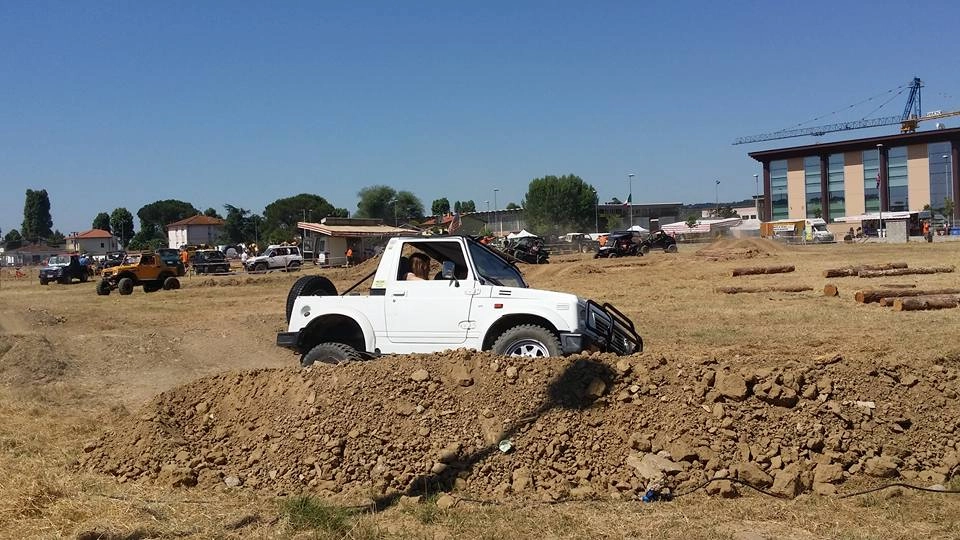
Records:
x=276, y=258
x=476, y=299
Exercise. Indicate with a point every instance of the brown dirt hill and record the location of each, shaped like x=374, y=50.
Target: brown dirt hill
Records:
x=744, y=248
x=579, y=426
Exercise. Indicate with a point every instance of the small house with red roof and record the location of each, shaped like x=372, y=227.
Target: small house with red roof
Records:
x=194, y=230
x=94, y=242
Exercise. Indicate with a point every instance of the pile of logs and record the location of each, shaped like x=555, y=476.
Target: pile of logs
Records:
x=883, y=270
x=907, y=299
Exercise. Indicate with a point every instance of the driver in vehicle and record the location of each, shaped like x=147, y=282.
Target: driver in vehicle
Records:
x=419, y=267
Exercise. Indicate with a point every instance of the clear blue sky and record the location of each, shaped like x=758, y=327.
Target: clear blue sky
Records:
x=108, y=104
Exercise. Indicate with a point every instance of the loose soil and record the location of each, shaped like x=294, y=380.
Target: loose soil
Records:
x=120, y=414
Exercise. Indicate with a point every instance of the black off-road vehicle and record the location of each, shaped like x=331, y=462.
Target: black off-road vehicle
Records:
x=658, y=240
x=619, y=244
x=210, y=261
x=64, y=269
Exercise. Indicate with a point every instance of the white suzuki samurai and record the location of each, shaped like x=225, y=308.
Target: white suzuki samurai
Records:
x=476, y=299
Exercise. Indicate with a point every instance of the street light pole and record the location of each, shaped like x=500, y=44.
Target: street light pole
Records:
x=947, y=180
x=716, y=211
x=596, y=211
x=496, y=210
x=630, y=197
x=756, y=196
x=879, y=188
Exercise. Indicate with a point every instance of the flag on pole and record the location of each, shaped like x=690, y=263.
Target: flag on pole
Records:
x=629, y=200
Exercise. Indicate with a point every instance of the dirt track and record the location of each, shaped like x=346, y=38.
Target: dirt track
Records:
x=101, y=362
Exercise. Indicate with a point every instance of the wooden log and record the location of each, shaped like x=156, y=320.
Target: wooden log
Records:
x=870, y=296
x=762, y=270
x=897, y=286
x=784, y=288
x=905, y=271
x=831, y=290
x=917, y=303
x=854, y=270
x=888, y=301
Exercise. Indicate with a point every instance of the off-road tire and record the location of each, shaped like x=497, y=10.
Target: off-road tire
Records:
x=644, y=250
x=330, y=353
x=527, y=340
x=171, y=284
x=309, y=286
x=260, y=267
x=44, y=282
x=152, y=286
x=103, y=288
x=293, y=266
x=670, y=249
x=125, y=286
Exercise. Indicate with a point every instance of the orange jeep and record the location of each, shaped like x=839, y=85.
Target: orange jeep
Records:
x=146, y=269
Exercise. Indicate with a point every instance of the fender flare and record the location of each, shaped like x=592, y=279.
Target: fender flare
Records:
x=559, y=324
x=369, y=336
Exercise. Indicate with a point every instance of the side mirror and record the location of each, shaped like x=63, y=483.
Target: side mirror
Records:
x=447, y=270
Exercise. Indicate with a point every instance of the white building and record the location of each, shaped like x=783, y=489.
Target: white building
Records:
x=94, y=242
x=194, y=230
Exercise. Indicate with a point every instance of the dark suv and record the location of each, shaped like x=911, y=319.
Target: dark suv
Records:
x=64, y=269
x=171, y=257
x=209, y=261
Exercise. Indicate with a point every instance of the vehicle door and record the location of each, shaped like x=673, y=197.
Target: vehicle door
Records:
x=149, y=268
x=434, y=311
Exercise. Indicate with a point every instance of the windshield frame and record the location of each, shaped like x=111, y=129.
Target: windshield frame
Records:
x=491, y=267
x=59, y=260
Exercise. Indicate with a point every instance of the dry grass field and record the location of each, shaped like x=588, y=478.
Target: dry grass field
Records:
x=72, y=363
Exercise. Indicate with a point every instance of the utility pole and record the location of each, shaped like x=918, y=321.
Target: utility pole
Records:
x=630, y=196
x=716, y=212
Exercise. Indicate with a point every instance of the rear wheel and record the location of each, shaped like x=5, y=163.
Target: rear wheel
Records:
x=644, y=250
x=309, y=286
x=171, y=284
x=125, y=286
x=330, y=353
x=672, y=248
x=528, y=340
x=293, y=266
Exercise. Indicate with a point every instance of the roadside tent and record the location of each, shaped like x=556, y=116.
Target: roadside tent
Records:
x=522, y=234
x=637, y=228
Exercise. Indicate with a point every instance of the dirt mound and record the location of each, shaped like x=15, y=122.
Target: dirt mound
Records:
x=573, y=427
x=29, y=359
x=743, y=248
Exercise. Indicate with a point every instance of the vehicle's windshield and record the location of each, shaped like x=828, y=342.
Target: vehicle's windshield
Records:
x=58, y=260
x=820, y=227
x=494, y=269
x=132, y=259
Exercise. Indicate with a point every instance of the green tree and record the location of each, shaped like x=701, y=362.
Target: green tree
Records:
x=212, y=212
x=13, y=239
x=148, y=237
x=37, y=222
x=389, y=205
x=102, y=221
x=121, y=224
x=692, y=221
x=280, y=217
x=157, y=215
x=729, y=212
x=56, y=238
x=240, y=226
x=558, y=204
x=513, y=206
x=465, y=207
x=440, y=207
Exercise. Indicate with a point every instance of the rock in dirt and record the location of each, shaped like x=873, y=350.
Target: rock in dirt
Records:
x=752, y=474
x=652, y=466
x=732, y=386
x=881, y=467
x=420, y=375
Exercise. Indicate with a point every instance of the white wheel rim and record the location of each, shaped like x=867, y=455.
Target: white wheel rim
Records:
x=527, y=347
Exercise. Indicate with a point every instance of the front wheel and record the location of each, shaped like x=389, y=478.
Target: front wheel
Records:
x=125, y=286
x=330, y=353
x=527, y=340
x=44, y=282
x=83, y=277
x=260, y=267
x=644, y=250
x=103, y=288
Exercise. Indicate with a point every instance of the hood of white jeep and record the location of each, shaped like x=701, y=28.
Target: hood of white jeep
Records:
x=533, y=294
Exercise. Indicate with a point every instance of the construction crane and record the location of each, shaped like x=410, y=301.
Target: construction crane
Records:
x=908, y=121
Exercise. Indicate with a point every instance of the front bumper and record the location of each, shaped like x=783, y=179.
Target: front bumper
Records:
x=604, y=328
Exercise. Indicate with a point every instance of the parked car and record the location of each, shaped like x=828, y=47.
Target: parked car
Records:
x=64, y=269
x=210, y=261
x=171, y=257
x=276, y=258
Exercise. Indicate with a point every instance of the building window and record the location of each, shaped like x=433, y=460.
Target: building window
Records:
x=779, y=206
x=871, y=181
x=938, y=155
x=897, y=179
x=811, y=175
x=835, y=186
x=101, y=245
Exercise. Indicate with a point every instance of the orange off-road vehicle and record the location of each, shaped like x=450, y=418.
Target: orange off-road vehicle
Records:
x=146, y=269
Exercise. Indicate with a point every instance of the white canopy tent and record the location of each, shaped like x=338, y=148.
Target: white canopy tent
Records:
x=522, y=234
x=637, y=228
